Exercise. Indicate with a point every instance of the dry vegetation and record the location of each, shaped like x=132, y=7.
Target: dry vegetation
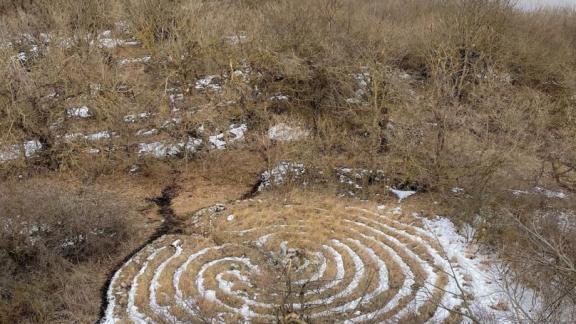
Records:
x=55, y=246
x=436, y=94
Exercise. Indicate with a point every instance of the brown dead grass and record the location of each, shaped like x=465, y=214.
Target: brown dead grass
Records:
x=469, y=94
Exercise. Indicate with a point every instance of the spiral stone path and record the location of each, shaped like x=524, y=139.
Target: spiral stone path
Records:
x=257, y=261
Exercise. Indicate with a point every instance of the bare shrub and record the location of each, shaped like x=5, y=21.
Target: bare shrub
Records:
x=536, y=237
x=49, y=235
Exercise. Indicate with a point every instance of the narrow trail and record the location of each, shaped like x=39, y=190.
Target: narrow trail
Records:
x=163, y=202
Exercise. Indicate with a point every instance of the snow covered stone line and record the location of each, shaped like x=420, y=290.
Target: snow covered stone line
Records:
x=345, y=264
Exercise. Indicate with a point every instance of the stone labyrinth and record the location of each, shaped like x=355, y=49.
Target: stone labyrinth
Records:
x=258, y=261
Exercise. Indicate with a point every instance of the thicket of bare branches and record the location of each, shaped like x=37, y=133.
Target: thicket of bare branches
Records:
x=52, y=243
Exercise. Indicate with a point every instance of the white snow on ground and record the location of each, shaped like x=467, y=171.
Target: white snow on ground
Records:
x=73, y=136
x=283, y=132
x=358, y=273
x=228, y=286
x=261, y=241
x=320, y=269
x=404, y=291
x=105, y=40
x=362, y=82
x=109, y=317
x=357, y=177
x=217, y=141
x=79, y=112
x=180, y=301
x=89, y=137
x=146, y=132
x=171, y=122
x=354, y=101
x=404, y=76
x=20, y=57
x=279, y=97
x=137, y=60
x=450, y=299
x=164, y=311
x=431, y=277
x=278, y=174
x=484, y=284
x=162, y=150
x=211, y=295
x=362, y=79
x=457, y=190
x=237, y=131
x=517, y=192
x=209, y=82
x=12, y=152
x=99, y=136
x=376, y=242
x=174, y=97
x=136, y=117
x=159, y=149
x=133, y=311
x=234, y=133
x=550, y=193
x=193, y=144
x=31, y=147
x=381, y=288
x=402, y=194
x=543, y=191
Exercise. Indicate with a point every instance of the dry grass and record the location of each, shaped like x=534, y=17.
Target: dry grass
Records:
x=435, y=94
x=56, y=245
x=458, y=91
x=307, y=226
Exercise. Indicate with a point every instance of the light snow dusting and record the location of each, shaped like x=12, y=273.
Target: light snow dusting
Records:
x=402, y=194
x=285, y=133
x=79, y=112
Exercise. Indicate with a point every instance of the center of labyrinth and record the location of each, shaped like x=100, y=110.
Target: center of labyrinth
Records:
x=260, y=262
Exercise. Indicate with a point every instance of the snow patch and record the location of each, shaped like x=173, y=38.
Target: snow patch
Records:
x=137, y=60
x=402, y=194
x=99, y=136
x=31, y=147
x=12, y=152
x=209, y=82
x=283, y=132
x=279, y=173
x=550, y=193
x=483, y=282
x=217, y=141
x=105, y=40
x=79, y=112
x=279, y=97
x=237, y=132
x=136, y=117
x=147, y=132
